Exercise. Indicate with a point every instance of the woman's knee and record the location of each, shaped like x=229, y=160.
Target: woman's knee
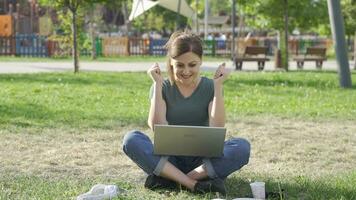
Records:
x=131, y=140
x=242, y=150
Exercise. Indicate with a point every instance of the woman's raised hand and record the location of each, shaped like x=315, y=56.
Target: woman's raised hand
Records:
x=221, y=74
x=155, y=73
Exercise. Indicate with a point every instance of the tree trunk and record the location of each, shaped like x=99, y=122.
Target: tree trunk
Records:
x=355, y=51
x=285, y=60
x=75, y=50
x=92, y=32
x=338, y=32
x=196, y=18
x=206, y=13
x=116, y=15
x=234, y=48
x=125, y=11
x=93, y=47
x=178, y=15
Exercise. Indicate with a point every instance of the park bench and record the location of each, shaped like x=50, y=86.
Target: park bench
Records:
x=317, y=54
x=253, y=53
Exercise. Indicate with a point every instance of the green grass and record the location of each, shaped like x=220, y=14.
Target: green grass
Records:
x=71, y=104
x=294, y=94
x=106, y=100
x=99, y=59
x=23, y=187
x=33, y=187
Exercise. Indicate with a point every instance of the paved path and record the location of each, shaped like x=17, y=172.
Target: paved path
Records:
x=34, y=67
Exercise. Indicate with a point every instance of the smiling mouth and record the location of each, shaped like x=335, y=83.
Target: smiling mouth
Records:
x=186, y=76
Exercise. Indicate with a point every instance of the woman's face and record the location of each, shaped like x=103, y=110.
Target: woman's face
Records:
x=186, y=68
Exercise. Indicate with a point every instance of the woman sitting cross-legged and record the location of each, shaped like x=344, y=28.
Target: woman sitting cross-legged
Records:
x=186, y=98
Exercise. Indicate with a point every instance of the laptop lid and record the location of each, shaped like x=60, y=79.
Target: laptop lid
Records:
x=189, y=140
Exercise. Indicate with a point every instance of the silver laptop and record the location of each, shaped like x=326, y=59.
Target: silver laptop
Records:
x=189, y=140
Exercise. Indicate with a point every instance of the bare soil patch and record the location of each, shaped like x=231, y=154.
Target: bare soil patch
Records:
x=280, y=147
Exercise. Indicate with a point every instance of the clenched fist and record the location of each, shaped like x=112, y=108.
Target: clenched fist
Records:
x=155, y=73
x=221, y=74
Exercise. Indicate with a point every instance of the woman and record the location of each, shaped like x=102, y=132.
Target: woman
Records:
x=186, y=98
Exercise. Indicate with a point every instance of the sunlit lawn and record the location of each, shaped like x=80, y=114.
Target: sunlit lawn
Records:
x=60, y=134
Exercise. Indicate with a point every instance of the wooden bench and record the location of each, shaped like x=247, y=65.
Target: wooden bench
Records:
x=317, y=54
x=253, y=53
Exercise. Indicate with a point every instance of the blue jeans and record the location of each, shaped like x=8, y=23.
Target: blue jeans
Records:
x=139, y=148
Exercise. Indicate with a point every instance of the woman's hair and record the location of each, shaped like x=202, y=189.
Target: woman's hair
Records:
x=180, y=43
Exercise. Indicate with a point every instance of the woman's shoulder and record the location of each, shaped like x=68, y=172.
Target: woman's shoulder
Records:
x=206, y=85
x=207, y=81
x=167, y=85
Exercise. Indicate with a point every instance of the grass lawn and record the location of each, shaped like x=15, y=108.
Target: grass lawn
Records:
x=61, y=133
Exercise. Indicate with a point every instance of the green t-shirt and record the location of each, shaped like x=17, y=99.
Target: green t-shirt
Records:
x=190, y=111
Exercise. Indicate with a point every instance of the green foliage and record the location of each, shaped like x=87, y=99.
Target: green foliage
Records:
x=152, y=21
x=216, y=7
x=349, y=12
x=64, y=29
x=65, y=36
x=199, y=8
x=65, y=11
x=158, y=18
x=268, y=14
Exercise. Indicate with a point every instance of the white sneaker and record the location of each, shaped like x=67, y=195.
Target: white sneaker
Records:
x=99, y=192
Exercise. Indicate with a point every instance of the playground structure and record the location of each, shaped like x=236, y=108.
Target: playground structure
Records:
x=20, y=29
x=21, y=17
x=6, y=28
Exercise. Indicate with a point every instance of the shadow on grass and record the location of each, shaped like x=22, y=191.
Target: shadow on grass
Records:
x=34, y=115
x=298, y=188
x=23, y=115
x=83, y=78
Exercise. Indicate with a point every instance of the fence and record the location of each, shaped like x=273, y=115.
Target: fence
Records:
x=7, y=46
x=41, y=46
x=112, y=46
x=31, y=45
x=24, y=45
x=139, y=46
x=157, y=47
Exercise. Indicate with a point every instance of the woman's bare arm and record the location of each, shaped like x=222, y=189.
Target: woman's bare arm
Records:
x=157, y=114
x=216, y=106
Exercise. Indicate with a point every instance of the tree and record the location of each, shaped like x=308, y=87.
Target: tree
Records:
x=73, y=6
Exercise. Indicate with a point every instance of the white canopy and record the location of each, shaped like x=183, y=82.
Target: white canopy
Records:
x=140, y=6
